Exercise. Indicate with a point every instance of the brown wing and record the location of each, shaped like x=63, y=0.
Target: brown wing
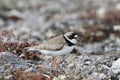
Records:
x=53, y=44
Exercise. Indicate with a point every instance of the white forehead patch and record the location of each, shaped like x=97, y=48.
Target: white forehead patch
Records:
x=76, y=36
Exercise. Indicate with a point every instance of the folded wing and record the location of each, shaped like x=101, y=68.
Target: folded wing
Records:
x=53, y=44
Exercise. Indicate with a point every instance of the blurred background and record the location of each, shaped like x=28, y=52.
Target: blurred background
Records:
x=97, y=22
x=94, y=20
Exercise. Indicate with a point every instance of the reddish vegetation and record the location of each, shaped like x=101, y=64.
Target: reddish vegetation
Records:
x=17, y=74
x=15, y=47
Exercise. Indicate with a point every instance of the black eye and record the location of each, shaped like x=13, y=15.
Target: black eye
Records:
x=72, y=36
x=75, y=36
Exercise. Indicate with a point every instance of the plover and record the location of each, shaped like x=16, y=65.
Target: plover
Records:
x=59, y=45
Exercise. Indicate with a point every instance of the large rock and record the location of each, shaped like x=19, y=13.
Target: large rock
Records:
x=9, y=61
x=115, y=70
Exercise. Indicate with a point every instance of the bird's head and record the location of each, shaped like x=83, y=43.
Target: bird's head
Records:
x=72, y=37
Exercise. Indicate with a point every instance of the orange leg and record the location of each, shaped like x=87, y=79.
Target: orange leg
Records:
x=54, y=61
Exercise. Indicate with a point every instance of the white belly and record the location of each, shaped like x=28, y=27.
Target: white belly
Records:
x=63, y=51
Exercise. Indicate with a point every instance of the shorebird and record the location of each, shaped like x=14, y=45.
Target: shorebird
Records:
x=59, y=45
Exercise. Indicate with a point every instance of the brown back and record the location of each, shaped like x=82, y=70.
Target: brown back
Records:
x=53, y=44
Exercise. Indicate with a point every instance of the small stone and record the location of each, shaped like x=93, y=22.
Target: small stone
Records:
x=86, y=58
x=101, y=12
x=8, y=77
x=15, y=15
x=116, y=27
x=87, y=63
x=55, y=78
x=117, y=6
x=94, y=75
x=102, y=76
x=61, y=77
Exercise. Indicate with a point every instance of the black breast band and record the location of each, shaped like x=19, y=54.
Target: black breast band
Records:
x=68, y=42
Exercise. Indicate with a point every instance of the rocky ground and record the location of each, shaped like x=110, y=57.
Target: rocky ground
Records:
x=27, y=23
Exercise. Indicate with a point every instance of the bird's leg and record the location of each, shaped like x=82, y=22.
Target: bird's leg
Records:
x=54, y=61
